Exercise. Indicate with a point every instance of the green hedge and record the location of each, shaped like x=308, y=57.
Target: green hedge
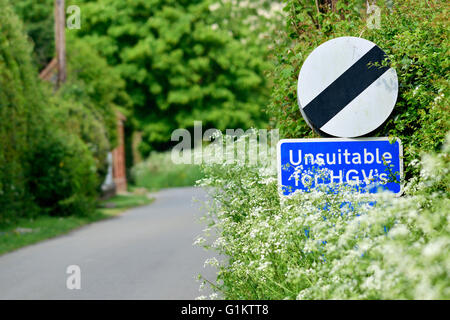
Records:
x=62, y=175
x=43, y=168
x=86, y=104
x=327, y=245
x=39, y=24
x=344, y=245
x=20, y=101
x=415, y=35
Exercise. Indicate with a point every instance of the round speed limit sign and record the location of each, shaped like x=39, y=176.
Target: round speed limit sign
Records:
x=344, y=90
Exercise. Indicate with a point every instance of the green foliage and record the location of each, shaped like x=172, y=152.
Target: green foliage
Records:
x=94, y=84
x=329, y=245
x=345, y=245
x=62, y=176
x=20, y=104
x=38, y=19
x=44, y=167
x=158, y=171
x=86, y=104
x=257, y=23
x=178, y=66
x=416, y=41
x=72, y=117
x=90, y=80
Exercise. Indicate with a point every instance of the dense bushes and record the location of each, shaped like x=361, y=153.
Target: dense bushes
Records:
x=38, y=20
x=329, y=245
x=86, y=104
x=62, y=177
x=415, y=36
x=72, y=117
x=95, y=85
x=44, y=164
x=345, y=245
x=20, y=104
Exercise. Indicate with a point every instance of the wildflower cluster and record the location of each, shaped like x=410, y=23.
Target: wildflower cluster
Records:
x=330, y=243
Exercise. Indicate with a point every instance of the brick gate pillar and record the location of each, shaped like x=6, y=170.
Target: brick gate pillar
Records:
x=119, y=169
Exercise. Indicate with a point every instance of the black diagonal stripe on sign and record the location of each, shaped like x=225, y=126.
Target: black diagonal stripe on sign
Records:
x=347, y=87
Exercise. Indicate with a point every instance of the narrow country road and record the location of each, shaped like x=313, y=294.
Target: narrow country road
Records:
x=145, y=253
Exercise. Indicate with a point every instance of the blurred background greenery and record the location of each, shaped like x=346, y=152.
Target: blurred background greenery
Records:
x=161, y=63
x=166, y=63
x=230, y=64
x=158, y=171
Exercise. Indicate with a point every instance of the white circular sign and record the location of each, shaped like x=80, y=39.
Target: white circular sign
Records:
x=343, y=90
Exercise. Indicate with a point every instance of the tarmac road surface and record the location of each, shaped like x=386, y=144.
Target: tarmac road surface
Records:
x=145, y=253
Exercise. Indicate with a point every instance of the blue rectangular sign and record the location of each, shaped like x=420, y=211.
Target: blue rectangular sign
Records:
x=368, y=163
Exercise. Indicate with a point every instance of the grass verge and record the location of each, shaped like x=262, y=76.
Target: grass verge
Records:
x=29, y=231
x=158, y=172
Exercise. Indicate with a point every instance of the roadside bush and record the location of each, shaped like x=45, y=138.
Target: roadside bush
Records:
x=74, y=118
x=44, y=166
x=329, y=245
x=414, y=34
x=95, y=85
x=62, y=176
x=88, y=100
x=39, y=24
x=87, y=103
x=20, y=104
x=345, y=245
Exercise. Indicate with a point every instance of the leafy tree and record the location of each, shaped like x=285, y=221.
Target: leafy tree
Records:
x=178, y=65
x=87, y=102
x=94, y=84
x=44, y=167
x=39, y=25
x=90, y=79
x=255, y=22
